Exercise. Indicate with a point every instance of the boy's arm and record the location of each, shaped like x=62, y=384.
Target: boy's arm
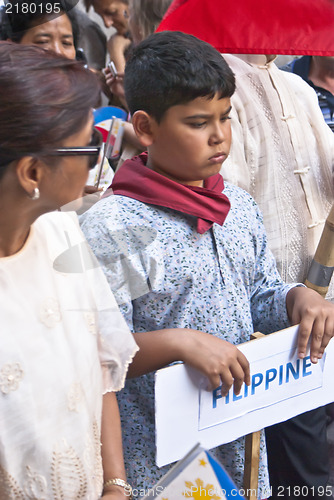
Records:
x=219, y=360
x=111, y=450
x=315, y=316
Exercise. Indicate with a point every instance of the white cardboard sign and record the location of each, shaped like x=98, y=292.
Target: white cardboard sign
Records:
x=282, y=386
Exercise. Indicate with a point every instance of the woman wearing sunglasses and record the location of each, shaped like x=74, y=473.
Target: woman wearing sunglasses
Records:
x=63, y=342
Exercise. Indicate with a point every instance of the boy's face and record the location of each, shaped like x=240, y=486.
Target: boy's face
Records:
x=192, y=140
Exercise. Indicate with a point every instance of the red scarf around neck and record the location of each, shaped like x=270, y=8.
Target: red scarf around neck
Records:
x=135, y=180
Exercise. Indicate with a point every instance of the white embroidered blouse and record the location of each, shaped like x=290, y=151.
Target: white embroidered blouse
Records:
x=63, y=343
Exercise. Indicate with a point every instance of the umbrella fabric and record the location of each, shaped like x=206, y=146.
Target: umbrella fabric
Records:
x=292, y=27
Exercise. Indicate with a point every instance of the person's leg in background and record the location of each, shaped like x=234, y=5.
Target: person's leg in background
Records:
x=298, y=458
x=330, y=438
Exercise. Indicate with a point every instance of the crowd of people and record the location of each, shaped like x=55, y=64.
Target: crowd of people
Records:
x=205, y=236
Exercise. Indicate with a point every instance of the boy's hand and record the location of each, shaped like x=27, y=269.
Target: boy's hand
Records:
x=219, y=360
x=316, y=320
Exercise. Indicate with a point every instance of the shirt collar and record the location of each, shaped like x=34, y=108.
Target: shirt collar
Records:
x=256, y=59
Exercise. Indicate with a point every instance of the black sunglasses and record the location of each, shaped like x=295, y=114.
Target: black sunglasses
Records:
x=92, y=150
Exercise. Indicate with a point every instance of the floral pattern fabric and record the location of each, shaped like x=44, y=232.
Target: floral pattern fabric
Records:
x=164, y=274
x=63, y=344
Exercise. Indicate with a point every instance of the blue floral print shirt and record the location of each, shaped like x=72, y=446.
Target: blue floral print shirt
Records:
x=166, y=275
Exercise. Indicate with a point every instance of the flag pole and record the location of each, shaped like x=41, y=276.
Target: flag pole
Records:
x=252, y=455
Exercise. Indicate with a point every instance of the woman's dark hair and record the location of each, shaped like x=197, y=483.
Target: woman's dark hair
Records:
x=89, y=3
x=16, y=18
x=170, y=68
x=44, y=99
x=148, y=14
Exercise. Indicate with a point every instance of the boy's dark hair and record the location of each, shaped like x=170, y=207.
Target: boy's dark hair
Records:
x=170, y=68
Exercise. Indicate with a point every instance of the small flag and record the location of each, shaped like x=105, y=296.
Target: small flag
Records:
x=197, y=475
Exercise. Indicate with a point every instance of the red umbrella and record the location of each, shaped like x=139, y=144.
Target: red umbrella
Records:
x=257, y=26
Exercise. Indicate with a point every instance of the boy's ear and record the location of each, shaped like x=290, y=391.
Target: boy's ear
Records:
x=143, y=125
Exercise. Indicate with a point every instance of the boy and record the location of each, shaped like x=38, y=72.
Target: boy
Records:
x=185, y=256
